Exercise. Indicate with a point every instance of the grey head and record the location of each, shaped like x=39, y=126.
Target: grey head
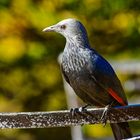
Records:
x=69, y=28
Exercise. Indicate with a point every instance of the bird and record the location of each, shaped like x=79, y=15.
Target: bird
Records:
x=89, y=74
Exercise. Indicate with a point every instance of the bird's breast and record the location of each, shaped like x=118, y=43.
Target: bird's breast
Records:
x=73, y=62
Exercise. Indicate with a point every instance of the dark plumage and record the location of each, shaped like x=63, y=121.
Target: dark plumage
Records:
x=89, y=74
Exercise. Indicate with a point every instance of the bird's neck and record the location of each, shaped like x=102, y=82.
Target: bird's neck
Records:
x=79, y=41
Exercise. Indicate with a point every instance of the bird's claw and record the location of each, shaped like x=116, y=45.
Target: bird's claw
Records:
x=80, y=110
x=105, y=115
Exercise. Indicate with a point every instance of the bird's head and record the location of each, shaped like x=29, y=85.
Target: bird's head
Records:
x=69, y=28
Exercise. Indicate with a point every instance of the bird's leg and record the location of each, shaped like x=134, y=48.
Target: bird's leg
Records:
x=81, y=111
x=83, y=108
x=75, y=111
x=105, y=114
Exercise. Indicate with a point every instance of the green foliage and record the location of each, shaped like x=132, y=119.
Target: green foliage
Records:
x=30, y=78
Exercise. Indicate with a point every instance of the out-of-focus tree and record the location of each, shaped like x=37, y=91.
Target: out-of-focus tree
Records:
x=30, y=79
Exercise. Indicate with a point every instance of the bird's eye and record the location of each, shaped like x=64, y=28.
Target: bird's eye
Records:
x=63, y=27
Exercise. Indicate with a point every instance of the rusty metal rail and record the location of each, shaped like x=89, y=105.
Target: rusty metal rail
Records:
x=65, y=118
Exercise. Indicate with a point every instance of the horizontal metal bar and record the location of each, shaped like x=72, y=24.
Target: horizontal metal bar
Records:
x=65, y=118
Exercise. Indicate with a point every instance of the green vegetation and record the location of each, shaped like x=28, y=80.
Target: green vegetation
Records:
x=30, y=79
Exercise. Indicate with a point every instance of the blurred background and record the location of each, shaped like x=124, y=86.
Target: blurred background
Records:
x=30, y=78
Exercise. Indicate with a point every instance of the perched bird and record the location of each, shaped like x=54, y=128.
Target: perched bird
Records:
x=88, y=73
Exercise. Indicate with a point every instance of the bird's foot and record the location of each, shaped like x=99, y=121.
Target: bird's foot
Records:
x=105, y=114
x=80, y=110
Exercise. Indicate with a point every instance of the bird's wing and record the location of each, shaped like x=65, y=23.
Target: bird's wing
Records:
x=104, y=75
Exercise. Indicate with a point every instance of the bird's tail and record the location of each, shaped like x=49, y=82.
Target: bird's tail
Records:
x=121, y=130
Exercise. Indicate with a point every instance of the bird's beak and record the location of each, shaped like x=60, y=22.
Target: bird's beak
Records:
x=49, y=29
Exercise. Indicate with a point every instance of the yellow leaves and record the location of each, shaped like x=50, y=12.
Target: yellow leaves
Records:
x=11, y=24
x=11, y=49
x=13, y=80
x=46, y=74
x=97, y=130
x=8, y=105
x=138, y=20
x=92, y=4
x=124, y=21
x=22, y=5
x=35, y=50
x=55, y=101
x=67, y=14
x=5, y=27
x=48, y=5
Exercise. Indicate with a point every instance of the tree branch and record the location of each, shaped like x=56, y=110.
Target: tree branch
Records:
x=64, y=118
